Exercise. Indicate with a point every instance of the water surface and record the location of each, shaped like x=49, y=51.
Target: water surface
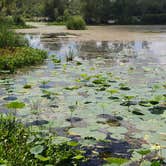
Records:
x=138, y=64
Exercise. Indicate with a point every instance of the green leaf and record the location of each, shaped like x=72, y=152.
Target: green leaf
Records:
x=112, y=91
x=118, y=161
x=78, y=157
x=15, y=105
x=73, y=143
x=144, y=151
x=145, y=163
x=129, y=97
x=31, y=139
x=37, y=149
x=42, y=158
x=60, y=140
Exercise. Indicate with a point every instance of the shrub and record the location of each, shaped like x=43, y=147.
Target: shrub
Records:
x=9, y=38
x=8, y=20
x=154, y=18
x=11, y=59
x=15, y=21
x=18, y=20
x=76, y=23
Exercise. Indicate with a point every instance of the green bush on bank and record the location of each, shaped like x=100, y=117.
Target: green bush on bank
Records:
x=21, y=147
x=18, y=20
x=9, y=38
x=12, y=59
x=15, y=53
x=154, y=18
x=76, y=23
x=15, y=21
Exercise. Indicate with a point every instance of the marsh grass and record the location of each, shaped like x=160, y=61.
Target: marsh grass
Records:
x=9, y=39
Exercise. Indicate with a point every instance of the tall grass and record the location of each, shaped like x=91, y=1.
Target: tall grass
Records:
x=9, y=39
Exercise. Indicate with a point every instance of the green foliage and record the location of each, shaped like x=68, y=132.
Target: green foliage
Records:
x=112, y=91
x=13, y=22
x=15, y=105
x=19, y=146
x=154, y=18
x=117, y=161
x=156, y=163
x=18, y=20
x=10, y=39
x=94, y=11
x=144, y=152
x=56, y=23
x=8, y=20
x=76, y=23
x=11, y=59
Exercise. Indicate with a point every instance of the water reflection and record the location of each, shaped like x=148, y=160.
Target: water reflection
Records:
x=91, y=49
x=118, y=52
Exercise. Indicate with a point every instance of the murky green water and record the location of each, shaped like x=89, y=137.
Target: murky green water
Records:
x=85, y=98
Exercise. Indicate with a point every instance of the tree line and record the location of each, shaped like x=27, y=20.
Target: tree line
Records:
x=93, y=11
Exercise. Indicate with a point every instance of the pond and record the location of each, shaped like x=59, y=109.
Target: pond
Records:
x=108, y=95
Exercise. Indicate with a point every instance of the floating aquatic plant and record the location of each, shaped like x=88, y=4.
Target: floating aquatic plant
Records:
x=116, y=161
x=124, y=87
x=15, y=105
x=112, y=92
x=128, y=101
x=27, y=86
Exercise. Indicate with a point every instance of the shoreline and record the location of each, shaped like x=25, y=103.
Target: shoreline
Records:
x=101, y=33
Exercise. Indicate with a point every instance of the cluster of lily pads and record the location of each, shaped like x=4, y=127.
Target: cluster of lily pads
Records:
x=111, y=120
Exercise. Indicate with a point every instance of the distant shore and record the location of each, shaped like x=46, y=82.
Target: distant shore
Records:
x=102, y=33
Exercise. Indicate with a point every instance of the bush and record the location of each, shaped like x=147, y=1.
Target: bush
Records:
x=11, y=59
x=154, y=18
x=9, y=38
x=76, y=23
x=15, y=21
x=18, y=20
x=14, y=52
x=8, y=20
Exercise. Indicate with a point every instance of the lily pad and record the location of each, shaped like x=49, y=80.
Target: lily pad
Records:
x=157, y=110
x=85, y=132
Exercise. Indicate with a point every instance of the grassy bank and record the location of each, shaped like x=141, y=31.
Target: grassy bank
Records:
x=14, y=22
